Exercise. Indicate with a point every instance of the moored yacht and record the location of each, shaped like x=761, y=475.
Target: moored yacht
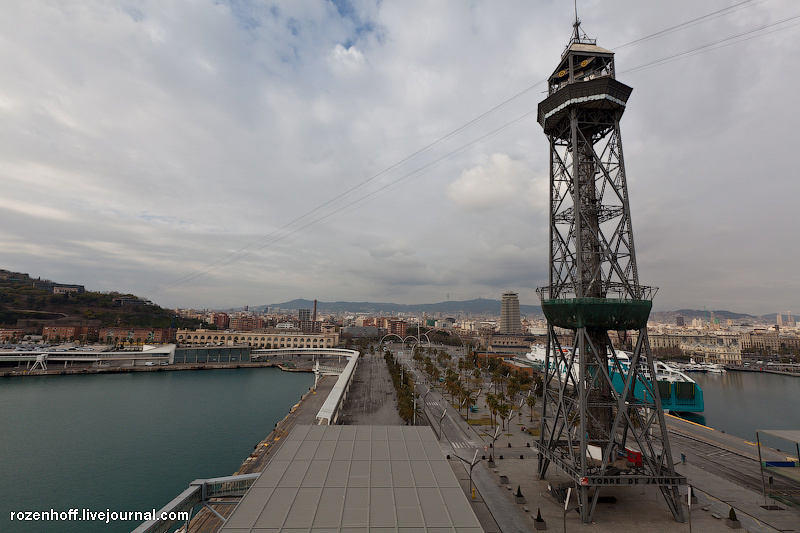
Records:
x=679, y=392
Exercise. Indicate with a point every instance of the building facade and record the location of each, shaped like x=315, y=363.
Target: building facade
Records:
x=69, y=333
x=123, y=335
x=510, y=323
x=264, y=340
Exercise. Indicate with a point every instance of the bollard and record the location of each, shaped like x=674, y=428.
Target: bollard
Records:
x=473, y=493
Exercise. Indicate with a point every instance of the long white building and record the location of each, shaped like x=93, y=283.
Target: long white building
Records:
x=270, y=339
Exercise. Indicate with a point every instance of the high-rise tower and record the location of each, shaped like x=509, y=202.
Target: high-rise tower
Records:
x=599, y=410
x=510, y=323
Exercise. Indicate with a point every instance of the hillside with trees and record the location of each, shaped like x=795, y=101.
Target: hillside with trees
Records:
x=32, y=299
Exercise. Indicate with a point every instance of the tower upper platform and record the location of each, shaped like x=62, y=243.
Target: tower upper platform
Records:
x=585, y=76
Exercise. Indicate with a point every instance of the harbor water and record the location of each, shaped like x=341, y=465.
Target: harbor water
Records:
x=129, y=442
x=740, y=403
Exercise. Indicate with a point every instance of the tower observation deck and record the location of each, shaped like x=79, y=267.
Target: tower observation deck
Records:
x=597, y=435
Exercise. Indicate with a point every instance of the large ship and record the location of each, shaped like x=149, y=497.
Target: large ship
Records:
x=679, y=393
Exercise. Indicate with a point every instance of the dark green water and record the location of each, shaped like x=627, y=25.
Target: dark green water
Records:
x=129, y=442
x=740, y=403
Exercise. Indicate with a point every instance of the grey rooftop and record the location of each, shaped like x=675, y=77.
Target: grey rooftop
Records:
x=356, y=479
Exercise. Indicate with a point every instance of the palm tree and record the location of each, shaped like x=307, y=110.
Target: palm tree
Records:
x=469, y=398
x=531, y=401
x=492, y=403
x=503, y=411
x=405, y=407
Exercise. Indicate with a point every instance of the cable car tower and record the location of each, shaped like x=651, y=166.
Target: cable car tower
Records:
x=602, y=421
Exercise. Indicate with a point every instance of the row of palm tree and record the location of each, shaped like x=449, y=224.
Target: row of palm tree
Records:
x=403, y=386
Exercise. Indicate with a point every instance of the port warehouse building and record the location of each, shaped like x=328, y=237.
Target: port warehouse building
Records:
x=268, y=339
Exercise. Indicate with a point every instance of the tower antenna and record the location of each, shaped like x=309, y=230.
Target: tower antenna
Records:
x=577, y=23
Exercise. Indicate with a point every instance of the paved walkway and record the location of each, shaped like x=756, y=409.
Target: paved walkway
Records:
x=372, y=400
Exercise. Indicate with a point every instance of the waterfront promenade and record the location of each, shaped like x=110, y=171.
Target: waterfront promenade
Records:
x=721, y=468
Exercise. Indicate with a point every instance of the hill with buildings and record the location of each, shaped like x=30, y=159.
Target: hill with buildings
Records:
x=36, y=301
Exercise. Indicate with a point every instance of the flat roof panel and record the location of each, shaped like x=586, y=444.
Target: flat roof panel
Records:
x=346, y=432
x=401, y=474
x=355, y=518
x=380, y=474
x=316, y=474
x=432, y=450
x=323, y=494
x=325, y=450
x=460, y=513
x=329, y=510
x=306, y=450
x=433, y=509
x=441, y=469
x=273, y=474
x=356, y=498
x=415, y=450
x=277, y=507
x=410, y=517
x=250, y=508
x=423, y=475
x=359, y=474
x=294, y=474
x=381, y=507
x=407, y=507
x=338, y=473
x=394, y=433
x=302, y=512
x=343, y=450
x=362, y=450
x=380, y=450
x=303, y=431
x=398, y=450
x=320, y=433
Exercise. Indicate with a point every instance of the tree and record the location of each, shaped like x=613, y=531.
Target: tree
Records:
x=531, y=401
x=503, y=411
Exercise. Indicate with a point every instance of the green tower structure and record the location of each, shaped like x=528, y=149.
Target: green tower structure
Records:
x=602, y=420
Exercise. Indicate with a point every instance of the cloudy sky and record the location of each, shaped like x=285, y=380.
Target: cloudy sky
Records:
x=218, y=154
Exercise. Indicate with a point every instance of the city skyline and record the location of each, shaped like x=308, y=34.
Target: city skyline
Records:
x=148, y=143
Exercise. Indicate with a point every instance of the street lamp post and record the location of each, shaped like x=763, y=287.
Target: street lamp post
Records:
x=441, y=418
x=471, y=466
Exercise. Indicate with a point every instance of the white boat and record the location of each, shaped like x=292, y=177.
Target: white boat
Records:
x=678, y=391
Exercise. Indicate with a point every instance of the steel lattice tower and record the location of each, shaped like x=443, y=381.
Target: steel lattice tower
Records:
x=588, y=427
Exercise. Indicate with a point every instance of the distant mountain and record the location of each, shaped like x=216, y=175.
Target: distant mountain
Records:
x=689, y=314
x=697, y=313
x=480, y=306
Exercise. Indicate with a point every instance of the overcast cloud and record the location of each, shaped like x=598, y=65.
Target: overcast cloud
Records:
x=277, y=148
